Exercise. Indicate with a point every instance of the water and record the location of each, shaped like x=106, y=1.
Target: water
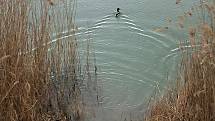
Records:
x=132, y=58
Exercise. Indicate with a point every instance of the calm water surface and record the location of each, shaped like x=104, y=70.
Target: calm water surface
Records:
x=131, y=58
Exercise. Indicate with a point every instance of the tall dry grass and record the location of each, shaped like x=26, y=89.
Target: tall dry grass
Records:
x=193, y=97
x=40, y=78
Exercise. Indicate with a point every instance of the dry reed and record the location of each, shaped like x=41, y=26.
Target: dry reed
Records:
x=193, y=99
x=39, y=78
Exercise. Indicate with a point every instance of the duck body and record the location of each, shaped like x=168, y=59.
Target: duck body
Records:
x=117, y=14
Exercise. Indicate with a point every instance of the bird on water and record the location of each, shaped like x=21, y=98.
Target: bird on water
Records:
x=117, y=12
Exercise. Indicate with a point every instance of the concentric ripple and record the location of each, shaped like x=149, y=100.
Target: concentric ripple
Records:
x=133, y=60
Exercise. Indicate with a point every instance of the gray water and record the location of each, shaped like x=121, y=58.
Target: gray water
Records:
x=131, y=57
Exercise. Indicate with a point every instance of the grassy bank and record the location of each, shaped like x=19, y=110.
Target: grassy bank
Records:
x=193, y=98
x=39, y=79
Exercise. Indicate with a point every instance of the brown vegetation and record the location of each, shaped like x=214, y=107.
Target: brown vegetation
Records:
x=193, y=99
x=39, y=79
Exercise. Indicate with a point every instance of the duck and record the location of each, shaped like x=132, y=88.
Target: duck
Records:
x=117, y=12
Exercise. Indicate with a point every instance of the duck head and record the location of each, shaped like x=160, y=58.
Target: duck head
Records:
x=117, y=9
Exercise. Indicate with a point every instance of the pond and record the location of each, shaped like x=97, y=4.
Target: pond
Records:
x=135, y=52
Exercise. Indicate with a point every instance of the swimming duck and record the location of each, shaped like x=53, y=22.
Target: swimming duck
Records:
x=117, y=12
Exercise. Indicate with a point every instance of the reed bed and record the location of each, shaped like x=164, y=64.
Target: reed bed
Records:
x=40, y=79
x=193, y=97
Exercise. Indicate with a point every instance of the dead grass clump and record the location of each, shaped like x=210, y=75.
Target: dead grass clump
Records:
x=194, y=98
x=39, y=79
